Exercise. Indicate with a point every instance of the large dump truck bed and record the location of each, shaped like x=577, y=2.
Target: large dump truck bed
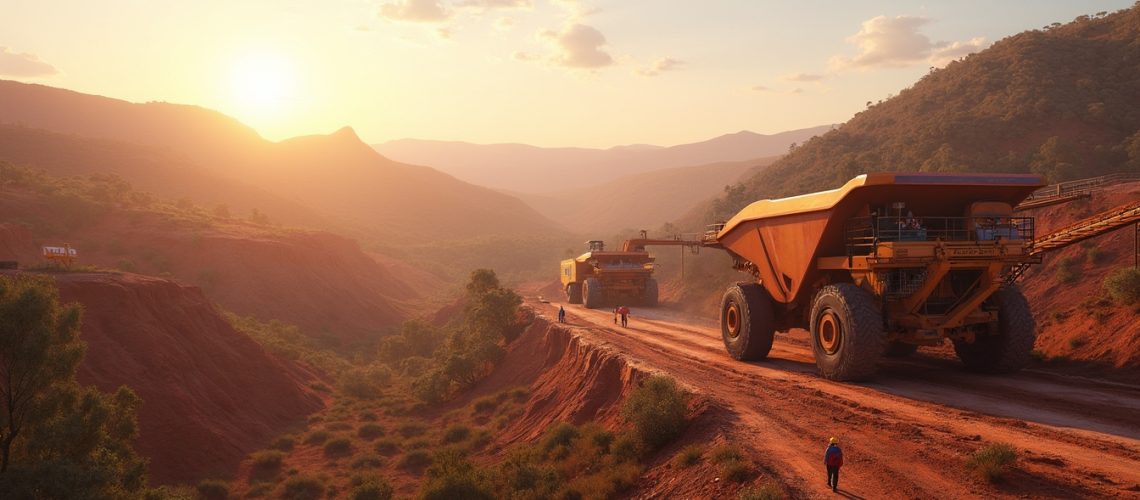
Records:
x=784, y=238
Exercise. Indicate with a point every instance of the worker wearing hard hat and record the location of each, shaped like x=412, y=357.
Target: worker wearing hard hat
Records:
x=833, y=459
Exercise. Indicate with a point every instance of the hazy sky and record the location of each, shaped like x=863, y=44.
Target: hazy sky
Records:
x=544, y=72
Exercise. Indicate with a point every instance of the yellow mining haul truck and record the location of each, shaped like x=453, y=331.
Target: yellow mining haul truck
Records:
x=600, y=277
x=882, y=265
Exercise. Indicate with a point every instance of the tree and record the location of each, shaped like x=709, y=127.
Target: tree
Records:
x=58, y=439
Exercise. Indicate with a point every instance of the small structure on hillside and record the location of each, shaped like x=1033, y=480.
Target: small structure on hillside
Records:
x=64, y=255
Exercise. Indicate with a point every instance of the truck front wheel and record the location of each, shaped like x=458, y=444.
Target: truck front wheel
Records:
x=592, y=293
x=574, y=293
x=847, y=336
x=747, y=322
x=1008, y=349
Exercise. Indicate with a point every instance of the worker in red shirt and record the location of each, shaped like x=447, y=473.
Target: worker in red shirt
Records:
x=624, y=312
x=833, y=459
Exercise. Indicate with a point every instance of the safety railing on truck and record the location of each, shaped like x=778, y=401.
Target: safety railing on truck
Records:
x=711, y=231
x=863, y=234
x=1083, y=185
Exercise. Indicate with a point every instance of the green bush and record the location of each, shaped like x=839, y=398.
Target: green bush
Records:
x=303, y=488
x=387, y=447
x=562, y=434
x=417, y=444
x=767, y=491
x=725, y=453
x=735, y=470
x=370, y=431
x=369, y=416
x=317, y=437
x=453, y=476
x=689, y=456
x=1123, y=285
x=486, y=404
x=371, y=488
x=658, y=410
x=456, y=433
x=284, y=443
x=992, y=462
x=1095, y=255
x=268, y=459
x=213, y=489
x=1077, y=342
x=338, y=447
x=1067, y=272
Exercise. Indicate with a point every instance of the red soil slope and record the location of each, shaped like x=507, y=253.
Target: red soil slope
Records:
x=1074, y=321
x=321, y=282
x=210, y=394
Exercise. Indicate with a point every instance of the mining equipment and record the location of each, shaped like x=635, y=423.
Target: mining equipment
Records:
x=605, y=277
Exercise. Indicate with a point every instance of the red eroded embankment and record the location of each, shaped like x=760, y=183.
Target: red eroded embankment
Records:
x=210, y=394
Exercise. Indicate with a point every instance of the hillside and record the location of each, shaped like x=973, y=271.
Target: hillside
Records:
x=640, y=201
x=336, y=174
x=1063, y=102
x=321, y=282
x=210, y=394
x=531, y=169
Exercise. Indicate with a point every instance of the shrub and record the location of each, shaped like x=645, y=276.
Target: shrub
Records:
x=657, y=410
x=519, y=394
x=767, y=491
x=316, y=437
x=415, y=459
x=1077, y=342
x=1066, y=271
x=608, y=483
x=689, y=456
x=625, y=448
x=284, y=443
x=562, y=434
x=387, y=447
x=258, y=490
x=338, y=447
x=417, y=444
x=725, y=453
x=303, y=488
x=1095, y=255
x=456, y=433
x=267, y=462
x=369, y=416
x=735, y=470
x=367, y=461
x=486, y=404
x=371, y=488
x=338, y=426
x=370, y=431
x=992, y=462
x=411, y=429
x=1124, y=285
x=481, y=439
x=213, y=489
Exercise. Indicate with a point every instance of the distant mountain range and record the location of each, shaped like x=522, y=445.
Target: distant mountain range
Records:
x=334, y=174
x=530, y=169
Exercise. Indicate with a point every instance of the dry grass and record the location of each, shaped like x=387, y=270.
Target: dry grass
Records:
x=992, y=462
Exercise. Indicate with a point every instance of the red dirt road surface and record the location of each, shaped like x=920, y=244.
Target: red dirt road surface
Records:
x=908, y=433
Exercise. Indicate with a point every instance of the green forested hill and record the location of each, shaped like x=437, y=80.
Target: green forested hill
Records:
x=1063, y=101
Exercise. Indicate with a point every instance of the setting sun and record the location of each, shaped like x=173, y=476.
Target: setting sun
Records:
x=263, y=84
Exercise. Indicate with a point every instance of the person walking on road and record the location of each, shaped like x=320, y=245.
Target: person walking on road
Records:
x=624, y=312
x=616, y=309
x=833, y=459
x=561, y=314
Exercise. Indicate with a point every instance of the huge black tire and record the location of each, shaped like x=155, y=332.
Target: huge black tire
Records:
x=900, y=350
x=592, y=293
x=747, y=322
x=574, y=293
x=649, y=298
x=847, y=335
x=1008, y=349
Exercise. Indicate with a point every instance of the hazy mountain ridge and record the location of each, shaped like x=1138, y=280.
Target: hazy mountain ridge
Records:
x=532, y=169
x=1063, y=102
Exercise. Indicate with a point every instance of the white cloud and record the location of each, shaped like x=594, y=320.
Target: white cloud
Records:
x=504, y=24
x=576, y=9
x=498, y=4
x=942, y=56
x=416, y=11
x=761, y=88
x=578, y=46
x=23, y=65
x=803, y=77
x=661, y=65
x=896, y=42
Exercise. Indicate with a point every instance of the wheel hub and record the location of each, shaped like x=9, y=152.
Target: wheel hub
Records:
x=830, y=334
x=732, y=320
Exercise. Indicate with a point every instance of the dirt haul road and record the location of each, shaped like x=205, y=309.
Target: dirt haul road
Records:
x=908, y=433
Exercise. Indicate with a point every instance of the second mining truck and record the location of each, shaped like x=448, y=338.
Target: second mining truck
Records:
x=608, y=277
x=882, y=265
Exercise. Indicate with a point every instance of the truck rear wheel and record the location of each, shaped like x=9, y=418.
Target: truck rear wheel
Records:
x=592, y=293
x=1008, y=349
x=574, y=293
x=847, y=334
x=649, y=298
x=747, y=322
